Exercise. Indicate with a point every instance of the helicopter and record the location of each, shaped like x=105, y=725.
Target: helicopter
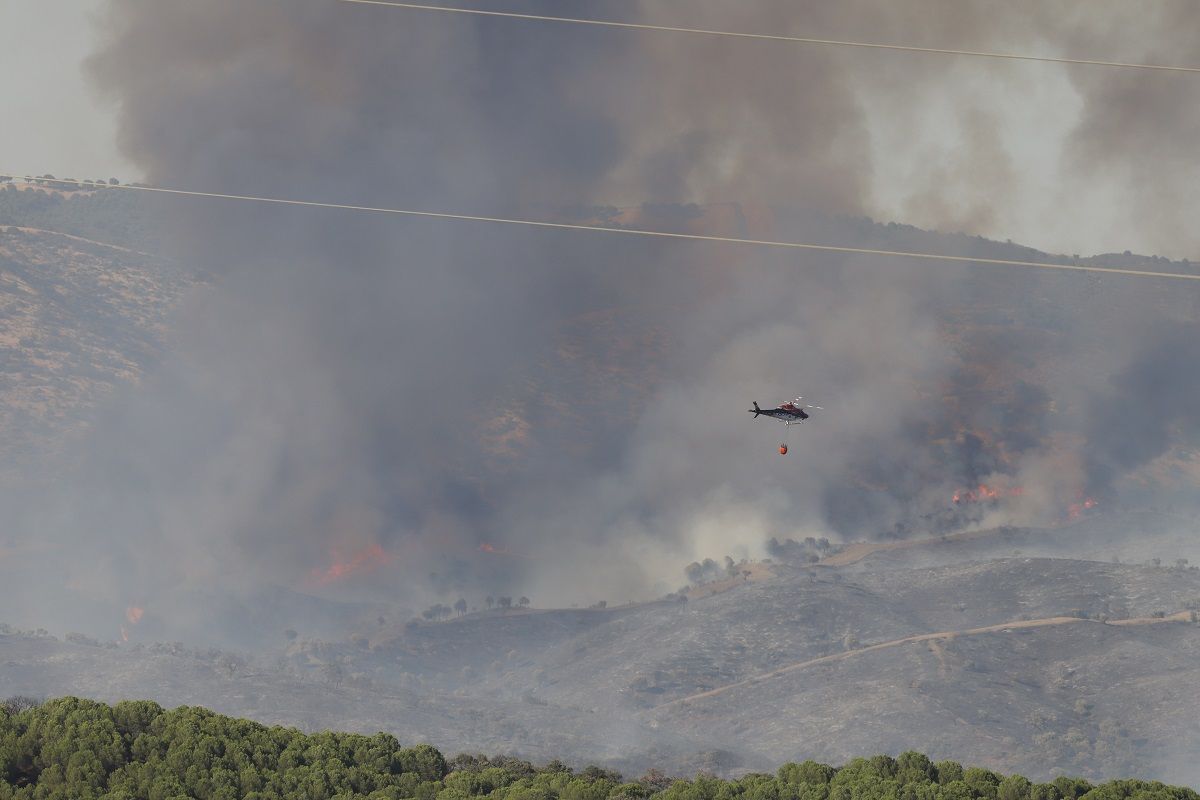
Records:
x=792, y=413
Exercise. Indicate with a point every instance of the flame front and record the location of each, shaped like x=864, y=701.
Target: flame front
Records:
x=984, y=493
x=1075, y=510
x=133, y=615
x=364, y=561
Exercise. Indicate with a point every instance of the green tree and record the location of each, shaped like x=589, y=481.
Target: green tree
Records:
x=806, y=772
x=72, y=749
x=913, y=767
x=1044, y=791
x=1071, y=788
x=948, y=772
x=982, y=782
x=1014, y=787
x=424, y=761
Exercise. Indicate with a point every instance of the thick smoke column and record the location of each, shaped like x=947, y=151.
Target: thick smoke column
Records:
x=1149, y=407
x=434, y=408
x=333, y=389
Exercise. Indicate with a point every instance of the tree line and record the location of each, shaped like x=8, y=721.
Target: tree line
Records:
x=114, y=217
x=73, y=749
x=440, y=611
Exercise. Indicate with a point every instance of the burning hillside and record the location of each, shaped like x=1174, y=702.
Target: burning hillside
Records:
x=984, y=493
x=343, y=565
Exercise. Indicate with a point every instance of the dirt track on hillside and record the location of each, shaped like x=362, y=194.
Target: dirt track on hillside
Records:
x=1182, y=616
x=80, y=239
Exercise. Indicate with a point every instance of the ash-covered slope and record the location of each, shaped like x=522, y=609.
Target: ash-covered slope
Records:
x=989, y=662
x=974, y=594
x=680, y=649
x=333, y=692
x=644, y=656
x=1078, y=697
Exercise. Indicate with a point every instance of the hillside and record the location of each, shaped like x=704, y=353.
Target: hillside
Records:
x=1165, y=536
x=992, y=662
x=128, y=220
x=79, y=316
x=1020, y=648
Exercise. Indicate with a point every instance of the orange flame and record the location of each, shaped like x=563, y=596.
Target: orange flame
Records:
x=133, y=615
x=366, y=560
x=984, y=492
x=1075, y=510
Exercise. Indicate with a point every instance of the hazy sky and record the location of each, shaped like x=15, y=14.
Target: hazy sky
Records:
x=53, y=120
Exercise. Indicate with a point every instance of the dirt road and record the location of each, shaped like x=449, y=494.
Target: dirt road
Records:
x=1182, y=616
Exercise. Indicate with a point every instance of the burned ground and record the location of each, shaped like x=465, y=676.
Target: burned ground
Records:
x=808, y=663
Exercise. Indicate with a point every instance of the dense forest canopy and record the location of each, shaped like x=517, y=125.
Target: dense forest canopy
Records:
x=73, y=749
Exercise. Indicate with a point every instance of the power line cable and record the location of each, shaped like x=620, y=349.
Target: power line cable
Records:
x=696, y=237
x=770, y=37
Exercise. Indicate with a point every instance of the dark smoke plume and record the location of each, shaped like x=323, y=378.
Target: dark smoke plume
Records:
x=1150, y=407
x=399, y=410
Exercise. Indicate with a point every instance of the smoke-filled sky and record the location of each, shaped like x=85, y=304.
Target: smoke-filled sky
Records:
x=434, y=409
x=1001, y=149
